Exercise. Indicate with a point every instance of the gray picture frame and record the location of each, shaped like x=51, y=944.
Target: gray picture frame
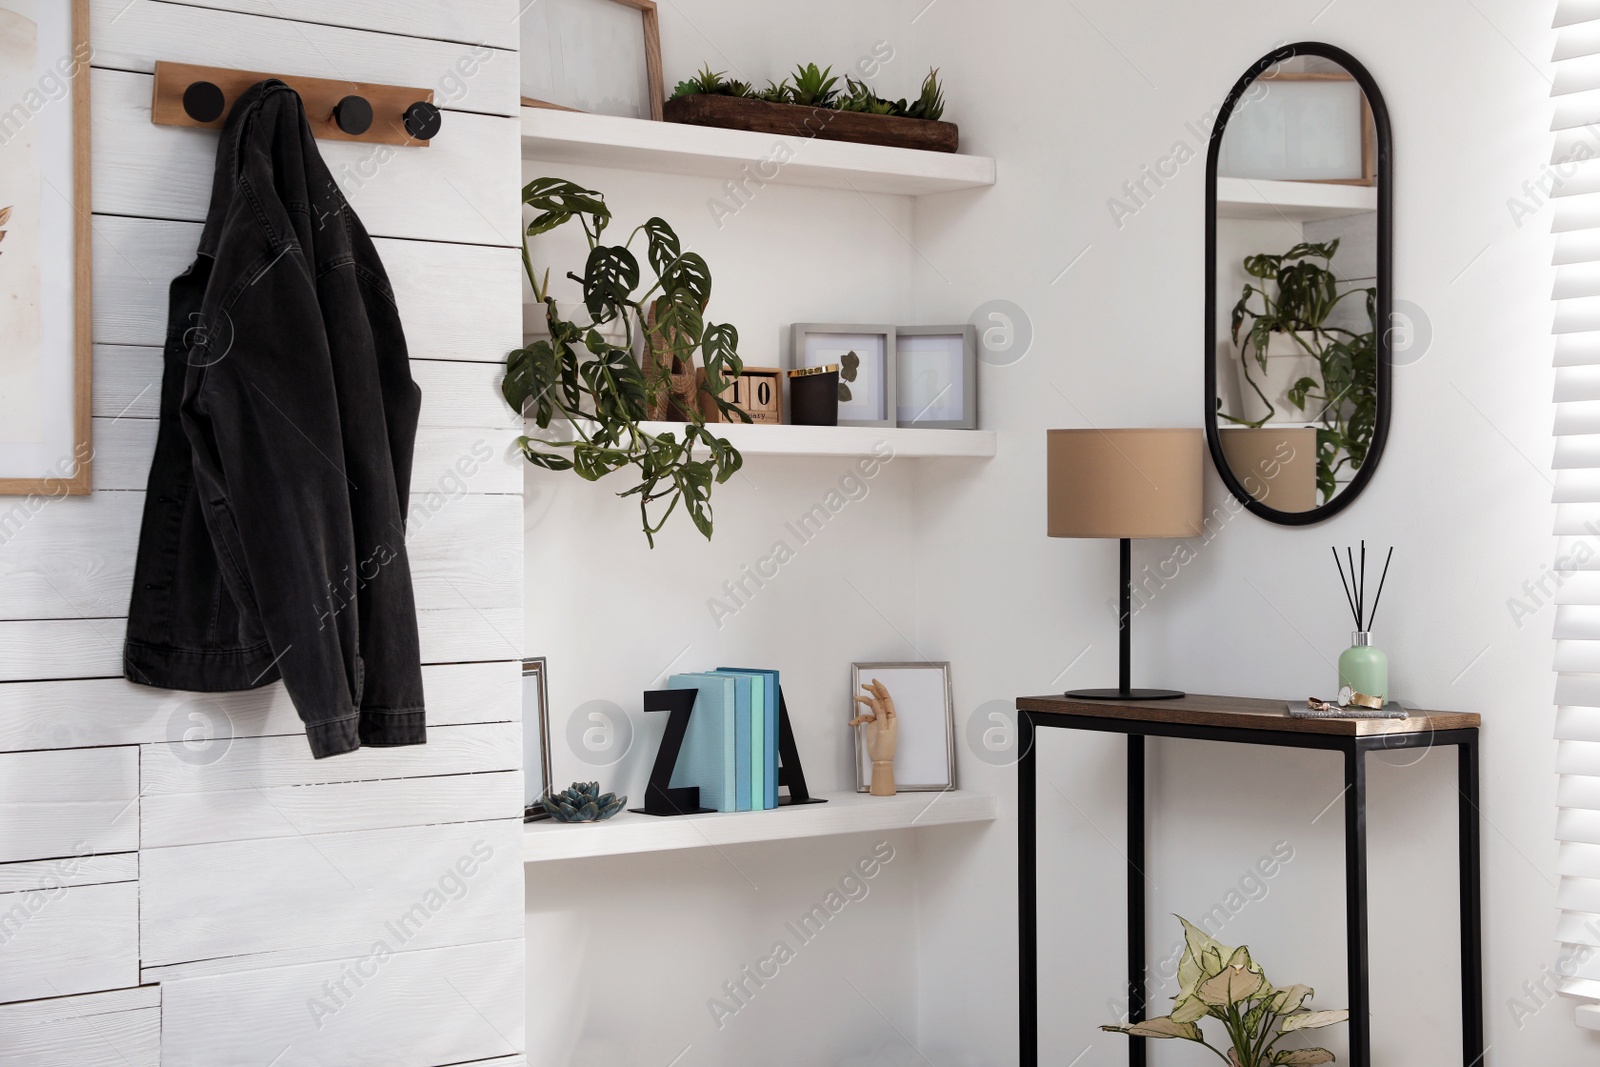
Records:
x=968, y=420
x=535, y=731
x=918, y=767
x=796, y=359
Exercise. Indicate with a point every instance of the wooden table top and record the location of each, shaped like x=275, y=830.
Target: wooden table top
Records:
x=1244, y=713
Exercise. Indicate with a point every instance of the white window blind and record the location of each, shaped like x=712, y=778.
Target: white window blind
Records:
x=1574, y=177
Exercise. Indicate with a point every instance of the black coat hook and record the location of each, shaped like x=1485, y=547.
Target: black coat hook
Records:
x=203, y=102
x=422, y=120
x=353, y=115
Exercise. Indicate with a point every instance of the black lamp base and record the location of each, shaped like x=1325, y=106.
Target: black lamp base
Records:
x=1123, y=694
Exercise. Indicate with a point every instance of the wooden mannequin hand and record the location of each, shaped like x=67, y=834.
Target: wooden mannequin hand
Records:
x=883, y=730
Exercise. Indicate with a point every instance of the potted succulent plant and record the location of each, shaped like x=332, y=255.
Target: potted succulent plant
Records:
x=1295, y=363
x=1225, y=984
x=811, y=103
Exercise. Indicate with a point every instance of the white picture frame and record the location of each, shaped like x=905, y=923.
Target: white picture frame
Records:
x=925, y=755
x=936, y=377
x=602, y=57
x=536, y=784
x=872, y=393
x=45, y=250
x=1306, y=127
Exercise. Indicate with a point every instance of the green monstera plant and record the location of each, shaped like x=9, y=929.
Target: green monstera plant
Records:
x=595, y=387
x=1293, y=295
x=1225, y=984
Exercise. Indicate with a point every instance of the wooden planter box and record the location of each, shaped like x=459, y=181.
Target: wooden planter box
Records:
x=758, y=116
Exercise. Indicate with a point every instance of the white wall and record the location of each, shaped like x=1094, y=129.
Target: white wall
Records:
x=1461, y=493
x=624, y=954
x=189, y=880
x=948, y=558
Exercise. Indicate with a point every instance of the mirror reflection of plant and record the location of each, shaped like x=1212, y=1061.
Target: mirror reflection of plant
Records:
x=599, y=389
x=810, y=86
x=1295, y=297
x=849, y=364
x=1225, y=984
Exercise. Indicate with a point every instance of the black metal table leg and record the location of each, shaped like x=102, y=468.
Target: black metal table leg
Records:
x=1472, y=1050
x=1355, y=901
x=1136, y=907
x=1027, y=892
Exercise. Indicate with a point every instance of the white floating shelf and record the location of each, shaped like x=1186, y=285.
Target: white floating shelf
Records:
x=628, y=833
x=1251, y=198
x=907, y=442
x=708, y=152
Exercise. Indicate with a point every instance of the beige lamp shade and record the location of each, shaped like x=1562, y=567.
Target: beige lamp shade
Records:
x=1276, y=465
x=1125, y=483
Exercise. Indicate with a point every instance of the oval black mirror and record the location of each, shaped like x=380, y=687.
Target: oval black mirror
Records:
x=1298, y=248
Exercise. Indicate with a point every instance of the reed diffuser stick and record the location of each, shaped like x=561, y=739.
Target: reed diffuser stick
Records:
x=1361, y=597
x=1381, y=580
x=1348, y=598
x=1350, y=554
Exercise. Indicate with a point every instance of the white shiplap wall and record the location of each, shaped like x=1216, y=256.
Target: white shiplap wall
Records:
x=234, y=901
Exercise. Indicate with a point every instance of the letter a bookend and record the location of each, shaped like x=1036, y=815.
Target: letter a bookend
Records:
x=661, y=798
x=790, y=773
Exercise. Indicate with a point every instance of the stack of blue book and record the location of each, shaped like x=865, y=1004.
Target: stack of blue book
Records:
x=731, y=749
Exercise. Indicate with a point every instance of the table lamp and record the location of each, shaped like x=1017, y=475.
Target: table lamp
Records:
x=1125, y=484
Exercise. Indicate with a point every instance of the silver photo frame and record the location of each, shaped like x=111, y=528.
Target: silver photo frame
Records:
x=936, y=377
x=925, y=756
x=535, y=732
x=820, y=344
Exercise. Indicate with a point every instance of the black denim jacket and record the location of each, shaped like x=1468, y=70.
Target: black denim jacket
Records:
x=273, y=541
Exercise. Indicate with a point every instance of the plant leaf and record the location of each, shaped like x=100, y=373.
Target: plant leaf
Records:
x=1191, y=969
x=1190, y=1009
x=558, y=200
x=1287, y=1000
x=609, y=279
x=1163, y=1027
x=1311, y=1020
x=1234, y=985
x=662, y=245
x=1301, y=1057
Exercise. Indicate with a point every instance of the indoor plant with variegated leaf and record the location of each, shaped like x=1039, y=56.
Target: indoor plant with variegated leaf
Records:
x=1227, y=985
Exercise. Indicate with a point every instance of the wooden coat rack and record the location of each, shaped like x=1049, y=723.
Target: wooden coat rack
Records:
x=190, y=95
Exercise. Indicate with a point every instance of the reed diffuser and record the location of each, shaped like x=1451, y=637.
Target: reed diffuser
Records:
x=1363, y=667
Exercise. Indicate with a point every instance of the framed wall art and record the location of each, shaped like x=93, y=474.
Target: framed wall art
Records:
x=865, y=355
x=599, y=56
x=1302, y=125
x=925, y=754
x=45, y=359
x=535, y=732
x=936, y=377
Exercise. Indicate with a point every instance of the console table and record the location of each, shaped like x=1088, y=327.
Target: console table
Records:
x=1252, y=722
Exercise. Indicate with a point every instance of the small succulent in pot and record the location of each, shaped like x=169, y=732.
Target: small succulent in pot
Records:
x=583, y=802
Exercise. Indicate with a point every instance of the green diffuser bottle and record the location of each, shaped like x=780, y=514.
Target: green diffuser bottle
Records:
x=1363, y=668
